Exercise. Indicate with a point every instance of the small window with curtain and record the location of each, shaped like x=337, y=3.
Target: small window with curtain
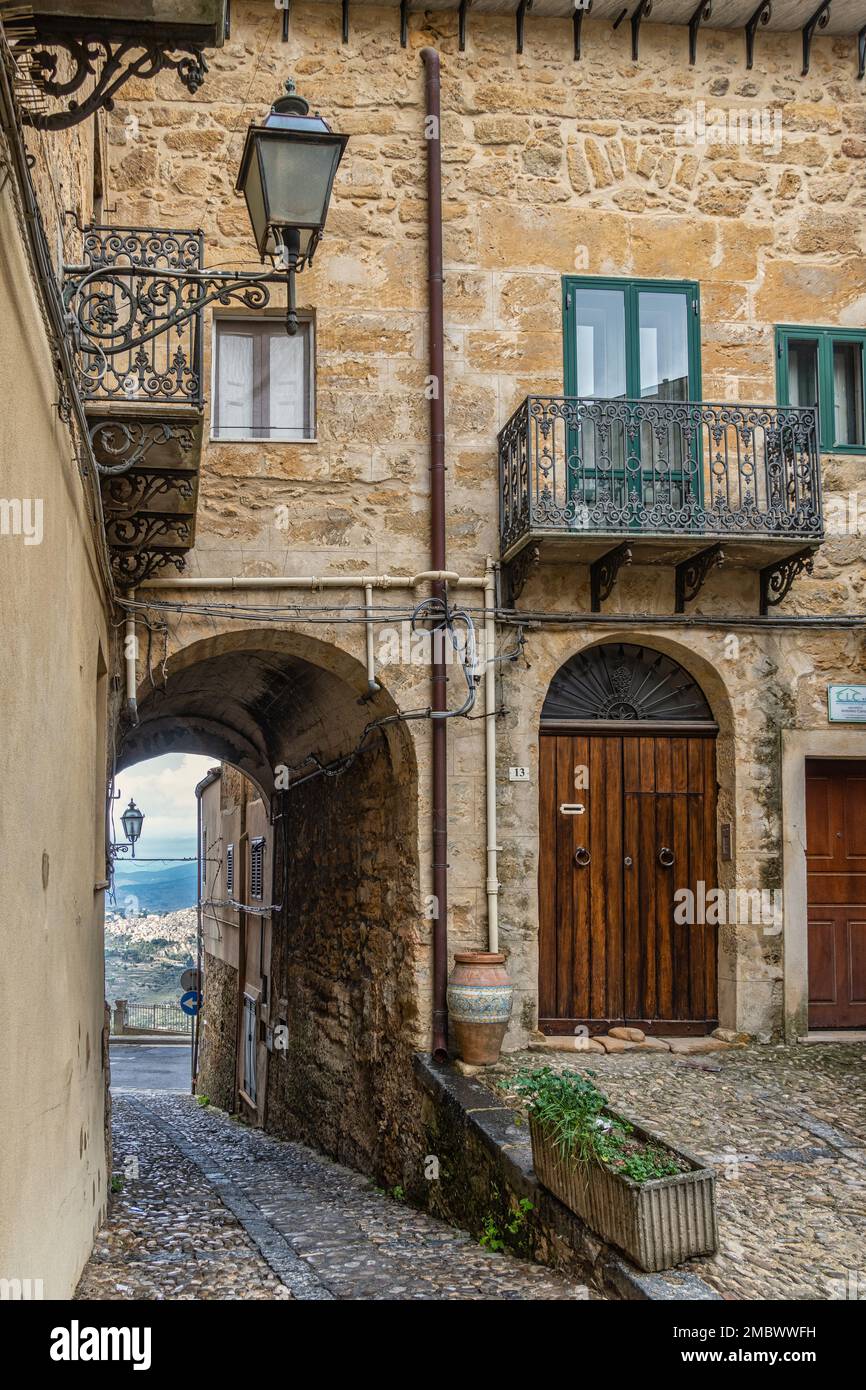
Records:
x=825, y=366
x=263, y=380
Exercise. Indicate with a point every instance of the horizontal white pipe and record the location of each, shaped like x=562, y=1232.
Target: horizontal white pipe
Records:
x=327, y=581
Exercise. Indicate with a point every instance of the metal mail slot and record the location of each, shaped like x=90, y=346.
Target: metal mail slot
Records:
x=571, y=808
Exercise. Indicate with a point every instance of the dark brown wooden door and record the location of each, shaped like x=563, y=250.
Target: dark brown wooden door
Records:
x=610, y=951
x=836, y=883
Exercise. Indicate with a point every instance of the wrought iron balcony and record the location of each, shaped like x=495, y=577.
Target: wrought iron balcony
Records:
x=671, y=481
x=140, y=375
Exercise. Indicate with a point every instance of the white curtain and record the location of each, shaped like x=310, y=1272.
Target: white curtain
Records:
x=235, y=384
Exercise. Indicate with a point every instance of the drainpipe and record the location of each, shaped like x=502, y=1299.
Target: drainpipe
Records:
x=437, y=546
x=372, y=684
x=490, y=753
x=130, y=645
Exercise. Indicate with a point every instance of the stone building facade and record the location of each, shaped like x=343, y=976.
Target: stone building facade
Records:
x=562, y=180
x=556, y=175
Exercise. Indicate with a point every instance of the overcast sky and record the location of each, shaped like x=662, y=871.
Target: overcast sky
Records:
x=164, y=789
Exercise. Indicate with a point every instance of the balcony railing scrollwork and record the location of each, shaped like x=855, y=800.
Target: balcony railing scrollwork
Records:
x=655, y=468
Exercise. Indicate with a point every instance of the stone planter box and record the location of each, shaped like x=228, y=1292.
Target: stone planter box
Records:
x=657, y=1224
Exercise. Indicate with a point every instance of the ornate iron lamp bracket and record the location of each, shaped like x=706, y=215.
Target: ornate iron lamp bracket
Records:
x=603, y=574
x=153, y=301
x=762, y=15
x=108, y=60
x=692, y=573
x=820, y=19
x=776, y=579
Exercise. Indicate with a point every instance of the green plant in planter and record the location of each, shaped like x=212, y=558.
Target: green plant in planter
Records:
x=572, y=1112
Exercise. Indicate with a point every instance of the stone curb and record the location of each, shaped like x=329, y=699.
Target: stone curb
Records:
x=297, y=1276
x=509, y=1146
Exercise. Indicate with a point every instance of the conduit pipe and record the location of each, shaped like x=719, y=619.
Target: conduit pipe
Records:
x=372, y=683
x=436, y=374
x=130, y=652
x=490, y=755
x=313, y=582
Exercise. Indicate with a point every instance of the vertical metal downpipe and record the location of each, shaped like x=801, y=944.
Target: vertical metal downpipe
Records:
x=437, y=545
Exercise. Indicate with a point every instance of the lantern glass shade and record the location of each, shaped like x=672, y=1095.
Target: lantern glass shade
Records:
x=132, y=820
x=286, y=174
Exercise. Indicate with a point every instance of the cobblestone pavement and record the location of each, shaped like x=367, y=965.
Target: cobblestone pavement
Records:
x=212, y=1195
x=785, y=1130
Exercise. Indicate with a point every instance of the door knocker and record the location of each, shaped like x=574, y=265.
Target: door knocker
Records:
x=666, y=857
x=582, y=856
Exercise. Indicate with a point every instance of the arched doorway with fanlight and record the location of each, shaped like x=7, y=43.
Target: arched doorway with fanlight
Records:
x=627, y=818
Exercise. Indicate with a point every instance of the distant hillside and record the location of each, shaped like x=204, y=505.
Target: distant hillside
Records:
x=162, y=890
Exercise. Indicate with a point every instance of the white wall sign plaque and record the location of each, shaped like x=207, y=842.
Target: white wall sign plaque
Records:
x=846, y=704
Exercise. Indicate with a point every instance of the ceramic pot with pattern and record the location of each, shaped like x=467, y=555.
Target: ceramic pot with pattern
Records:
x=480, y=997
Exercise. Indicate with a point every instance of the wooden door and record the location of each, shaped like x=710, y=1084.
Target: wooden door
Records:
x=836, y=892
x=610, y=951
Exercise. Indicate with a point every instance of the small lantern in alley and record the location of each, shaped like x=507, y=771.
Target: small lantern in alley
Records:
x=132, y=820
x=286, y=175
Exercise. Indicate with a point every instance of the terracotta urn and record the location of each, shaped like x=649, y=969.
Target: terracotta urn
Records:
x=479, y=1005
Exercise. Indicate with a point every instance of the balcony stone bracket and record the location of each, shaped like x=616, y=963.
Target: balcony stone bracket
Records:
x=520, y=569
x=603, y=574
x=776, y=579
x=692, y=573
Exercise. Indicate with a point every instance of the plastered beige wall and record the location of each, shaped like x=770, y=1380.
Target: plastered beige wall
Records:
x=54, y=672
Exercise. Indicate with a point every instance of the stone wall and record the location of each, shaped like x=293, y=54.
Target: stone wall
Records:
x=344, y=962
x=217, y=1067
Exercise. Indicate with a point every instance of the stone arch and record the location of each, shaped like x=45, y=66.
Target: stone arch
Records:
x=343, y=980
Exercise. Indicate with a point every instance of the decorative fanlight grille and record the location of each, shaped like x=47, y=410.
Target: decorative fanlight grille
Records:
x=622, y=682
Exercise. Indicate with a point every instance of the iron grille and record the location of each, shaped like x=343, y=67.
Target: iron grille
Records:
x=569, y=464
x=230, y=870
x=116, y=309
x=257, y=863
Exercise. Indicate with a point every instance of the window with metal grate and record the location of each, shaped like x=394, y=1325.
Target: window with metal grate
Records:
x=257, y=866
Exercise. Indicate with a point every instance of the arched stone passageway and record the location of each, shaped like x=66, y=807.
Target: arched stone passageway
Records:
x=334, y=984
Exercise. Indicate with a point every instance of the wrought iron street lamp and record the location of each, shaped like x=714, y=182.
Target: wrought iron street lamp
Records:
x=286, y=175
x=132, y=821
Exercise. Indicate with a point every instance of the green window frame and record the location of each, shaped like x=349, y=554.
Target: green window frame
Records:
x=826, y=342
x=632, y=289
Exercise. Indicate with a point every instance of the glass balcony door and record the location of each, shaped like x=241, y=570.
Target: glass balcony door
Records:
x=628, y=344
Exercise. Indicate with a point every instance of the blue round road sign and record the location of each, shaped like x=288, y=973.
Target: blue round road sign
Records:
x=191, y=1002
